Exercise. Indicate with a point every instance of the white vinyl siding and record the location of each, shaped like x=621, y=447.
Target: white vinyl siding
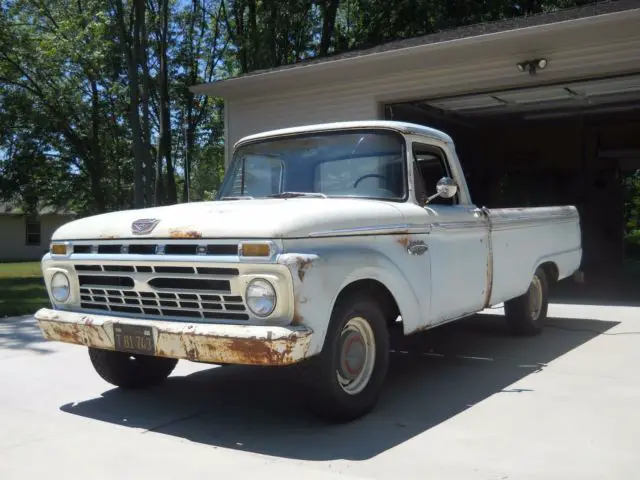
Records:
x=258, y=115
x=16, y=236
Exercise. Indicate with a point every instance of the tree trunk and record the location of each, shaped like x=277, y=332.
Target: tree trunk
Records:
x=164, y=150
x=240, y=36
x=146, y=124
x=329, y=12
x=130, y=51
x=189, y=125
x=96, y=172
x=273, y=34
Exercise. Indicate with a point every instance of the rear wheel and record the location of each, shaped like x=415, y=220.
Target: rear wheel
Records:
x=131, y=371
x=344, y=381
x=527, y=313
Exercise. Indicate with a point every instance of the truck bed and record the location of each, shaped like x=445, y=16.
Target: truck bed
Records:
x=522, y=239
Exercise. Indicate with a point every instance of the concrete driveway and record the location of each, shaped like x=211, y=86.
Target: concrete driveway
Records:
x=464, y=401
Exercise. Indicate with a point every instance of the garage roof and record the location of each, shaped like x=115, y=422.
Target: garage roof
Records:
x=502, y=29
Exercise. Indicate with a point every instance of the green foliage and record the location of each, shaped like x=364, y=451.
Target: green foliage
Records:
x=65, y=129
x=22, y=289
x=631, y=185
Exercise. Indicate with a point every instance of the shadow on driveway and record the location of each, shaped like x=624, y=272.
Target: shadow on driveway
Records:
x=433, y=377
x=22, y=333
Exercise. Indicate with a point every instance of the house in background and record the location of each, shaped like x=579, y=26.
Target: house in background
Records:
x=25, y=237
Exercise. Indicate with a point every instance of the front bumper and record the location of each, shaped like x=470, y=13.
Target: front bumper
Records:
x=200, y=342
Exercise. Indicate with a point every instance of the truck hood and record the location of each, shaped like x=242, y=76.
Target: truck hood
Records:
x=261, y=218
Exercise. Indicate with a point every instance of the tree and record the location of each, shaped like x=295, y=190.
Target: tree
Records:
x=68, y=107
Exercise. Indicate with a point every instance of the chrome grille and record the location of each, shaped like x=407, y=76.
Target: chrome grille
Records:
x=178, y=248
x=164, y=291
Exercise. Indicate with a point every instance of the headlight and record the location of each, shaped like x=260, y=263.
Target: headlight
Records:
x=261, y=297
x=60, y=287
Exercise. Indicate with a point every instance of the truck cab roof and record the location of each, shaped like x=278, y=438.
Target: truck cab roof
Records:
x=401, y=127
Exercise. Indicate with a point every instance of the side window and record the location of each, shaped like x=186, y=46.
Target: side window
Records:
x=32, y=233
x=431, y=166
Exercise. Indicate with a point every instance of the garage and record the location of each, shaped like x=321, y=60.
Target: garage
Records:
x=544, y=110
x=566, y=143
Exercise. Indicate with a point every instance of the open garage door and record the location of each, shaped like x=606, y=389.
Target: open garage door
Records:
x=572, y=143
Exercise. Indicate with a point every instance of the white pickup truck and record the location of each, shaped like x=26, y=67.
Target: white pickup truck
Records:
x=321, y=238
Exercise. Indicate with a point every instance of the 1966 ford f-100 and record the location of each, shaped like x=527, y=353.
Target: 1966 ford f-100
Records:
x=320, y=239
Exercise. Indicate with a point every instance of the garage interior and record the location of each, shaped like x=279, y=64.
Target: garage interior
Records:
x=574, y=143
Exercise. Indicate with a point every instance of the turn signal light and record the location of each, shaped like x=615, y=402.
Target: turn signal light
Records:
x=58, y=249
x=255, y=250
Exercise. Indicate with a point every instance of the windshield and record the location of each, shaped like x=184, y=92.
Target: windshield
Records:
x=364, y=164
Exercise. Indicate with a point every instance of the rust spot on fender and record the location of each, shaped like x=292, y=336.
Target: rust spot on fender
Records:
x=304, y=264
x=403, y=240
x=297, y=318
x=109, y=237
x=180, y=233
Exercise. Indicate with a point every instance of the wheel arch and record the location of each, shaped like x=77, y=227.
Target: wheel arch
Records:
x=551, y=270
x=378, y=291
x=396, y=294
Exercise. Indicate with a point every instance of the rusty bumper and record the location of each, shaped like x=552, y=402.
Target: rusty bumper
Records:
x=201, y=342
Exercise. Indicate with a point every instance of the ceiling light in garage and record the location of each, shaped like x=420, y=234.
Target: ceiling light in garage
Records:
x=532, y=66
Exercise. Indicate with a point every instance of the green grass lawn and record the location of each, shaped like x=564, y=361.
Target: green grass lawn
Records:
x=21, y=289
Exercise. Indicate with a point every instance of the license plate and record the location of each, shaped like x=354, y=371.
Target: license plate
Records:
x=134, y=339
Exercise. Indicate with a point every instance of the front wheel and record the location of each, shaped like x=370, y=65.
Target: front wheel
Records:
x=127, y=370
x=526, y=314
x=344, y=381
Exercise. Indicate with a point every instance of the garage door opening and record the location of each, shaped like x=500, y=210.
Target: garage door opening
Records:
x=575, y=143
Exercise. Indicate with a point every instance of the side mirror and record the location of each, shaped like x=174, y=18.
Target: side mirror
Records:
x=445, y=188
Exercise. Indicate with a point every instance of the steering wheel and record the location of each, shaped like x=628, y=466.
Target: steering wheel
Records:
x=368, y=175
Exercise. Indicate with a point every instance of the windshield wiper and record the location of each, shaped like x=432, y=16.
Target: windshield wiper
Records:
x=246, y=197
x=298, y=194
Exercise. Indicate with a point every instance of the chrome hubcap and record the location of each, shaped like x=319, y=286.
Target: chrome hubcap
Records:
x=356, y=348
x=535, y=297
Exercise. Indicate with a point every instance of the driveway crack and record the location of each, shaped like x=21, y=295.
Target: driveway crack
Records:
x=175, y=421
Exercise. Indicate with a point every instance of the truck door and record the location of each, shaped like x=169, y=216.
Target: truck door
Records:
x=458, y=243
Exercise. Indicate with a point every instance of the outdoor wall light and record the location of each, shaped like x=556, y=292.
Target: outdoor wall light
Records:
x=532, y=66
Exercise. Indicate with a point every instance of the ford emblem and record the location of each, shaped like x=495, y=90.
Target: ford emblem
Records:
x=144, y=226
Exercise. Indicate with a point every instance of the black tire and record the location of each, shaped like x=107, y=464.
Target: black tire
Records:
x=325, y=396
x=130, y=371
x=519, y=312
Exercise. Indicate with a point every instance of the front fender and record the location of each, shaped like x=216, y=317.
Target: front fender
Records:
x=319, y=277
